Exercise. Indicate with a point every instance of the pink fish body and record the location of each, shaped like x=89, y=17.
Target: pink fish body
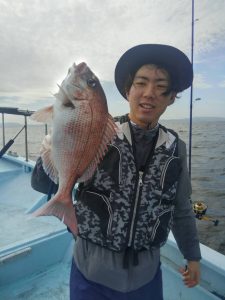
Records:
x=81, y=130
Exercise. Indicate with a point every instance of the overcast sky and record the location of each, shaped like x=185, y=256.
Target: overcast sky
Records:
x=40, y=39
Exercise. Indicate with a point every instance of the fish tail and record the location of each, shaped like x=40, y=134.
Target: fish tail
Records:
x=63, y=210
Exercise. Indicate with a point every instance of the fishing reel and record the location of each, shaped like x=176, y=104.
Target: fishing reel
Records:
x=200, y=209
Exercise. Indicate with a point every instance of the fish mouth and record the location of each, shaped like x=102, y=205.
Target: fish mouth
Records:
x=81, y=67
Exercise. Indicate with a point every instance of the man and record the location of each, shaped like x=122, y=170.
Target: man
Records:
x=140, y=190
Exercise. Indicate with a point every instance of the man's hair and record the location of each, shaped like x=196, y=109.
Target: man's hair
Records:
x=172, y=80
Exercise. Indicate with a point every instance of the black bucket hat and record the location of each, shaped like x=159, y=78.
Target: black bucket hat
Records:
x=172, y=59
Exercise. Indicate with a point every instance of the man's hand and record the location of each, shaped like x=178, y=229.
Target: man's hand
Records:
x=191, y=275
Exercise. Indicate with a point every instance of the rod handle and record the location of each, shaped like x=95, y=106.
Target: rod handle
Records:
x=6, y=147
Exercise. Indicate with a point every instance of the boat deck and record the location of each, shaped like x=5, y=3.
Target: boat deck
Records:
x=29, y=245
x=52, y=284
x=17, y=198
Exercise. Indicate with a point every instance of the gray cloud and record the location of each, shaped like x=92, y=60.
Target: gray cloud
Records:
x=200, y=82
x=222, y=84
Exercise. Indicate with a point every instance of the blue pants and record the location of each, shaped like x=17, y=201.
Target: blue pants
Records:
x=83, y=289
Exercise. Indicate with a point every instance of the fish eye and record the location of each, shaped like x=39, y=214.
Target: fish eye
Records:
x=91, y=82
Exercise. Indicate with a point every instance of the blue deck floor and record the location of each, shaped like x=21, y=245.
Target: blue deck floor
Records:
x=49, y=285
x=16, y=198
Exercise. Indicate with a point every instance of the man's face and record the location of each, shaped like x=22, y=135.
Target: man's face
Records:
x=146, y=99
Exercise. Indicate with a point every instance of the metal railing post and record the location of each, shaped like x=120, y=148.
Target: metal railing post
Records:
x=46, y=129
x=26, y=141
x=3, y=129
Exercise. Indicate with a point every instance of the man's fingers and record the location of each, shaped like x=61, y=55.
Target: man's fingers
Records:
x=188, y=277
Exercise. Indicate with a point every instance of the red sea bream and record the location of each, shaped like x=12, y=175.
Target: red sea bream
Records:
x=81, y=130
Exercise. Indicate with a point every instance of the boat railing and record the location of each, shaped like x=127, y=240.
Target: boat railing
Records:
x=19, y=112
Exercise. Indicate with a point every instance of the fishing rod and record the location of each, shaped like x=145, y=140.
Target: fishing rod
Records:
x=193, y=20
x=199, y=207
x=10, y=142
x=191, y=92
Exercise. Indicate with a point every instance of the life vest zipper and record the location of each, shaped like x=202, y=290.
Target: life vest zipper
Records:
x=139, y=185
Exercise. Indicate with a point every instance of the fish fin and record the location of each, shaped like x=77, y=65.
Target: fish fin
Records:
x=108, y=136
x=43, y=115
x=62, y=209
x=110, y=132
x=88, y=172
x=46, y=155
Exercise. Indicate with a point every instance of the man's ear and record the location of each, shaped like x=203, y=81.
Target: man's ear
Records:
x=173, y=97
x=127, y=94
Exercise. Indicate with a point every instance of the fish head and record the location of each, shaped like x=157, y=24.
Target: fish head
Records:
x=81, y=84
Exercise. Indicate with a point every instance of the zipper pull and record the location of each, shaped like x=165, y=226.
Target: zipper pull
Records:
x=140, y=178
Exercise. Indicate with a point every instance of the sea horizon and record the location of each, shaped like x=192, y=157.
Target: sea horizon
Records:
x=194, y=119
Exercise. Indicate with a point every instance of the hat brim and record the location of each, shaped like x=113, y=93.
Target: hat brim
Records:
x=172, y=59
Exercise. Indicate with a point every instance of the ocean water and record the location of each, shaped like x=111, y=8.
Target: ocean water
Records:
x=208, y=175
x=208, y=168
